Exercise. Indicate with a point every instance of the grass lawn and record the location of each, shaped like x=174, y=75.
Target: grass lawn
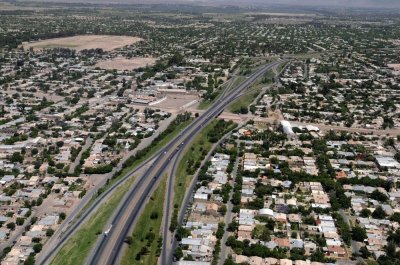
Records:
x=146, y=235
x=78, y=247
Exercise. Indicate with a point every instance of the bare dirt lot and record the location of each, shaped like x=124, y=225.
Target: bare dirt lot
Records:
x=177, y=101
x=82, y=42
x=121, y=63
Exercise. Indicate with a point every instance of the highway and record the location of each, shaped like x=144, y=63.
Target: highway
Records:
x=108, y=249
x=168, y=237
x=81, y=214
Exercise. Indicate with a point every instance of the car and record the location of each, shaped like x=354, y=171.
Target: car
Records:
x=108, y=230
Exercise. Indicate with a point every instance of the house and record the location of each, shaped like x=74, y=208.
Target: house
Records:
x=245, y=231
x=212, y=209
x=280, y=217
x=336, y=251
x=282, y=242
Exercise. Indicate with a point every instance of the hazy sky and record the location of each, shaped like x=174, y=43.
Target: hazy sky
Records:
x=337, y=3
x=359, y=3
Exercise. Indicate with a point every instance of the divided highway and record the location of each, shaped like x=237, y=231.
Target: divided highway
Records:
x=109, y=248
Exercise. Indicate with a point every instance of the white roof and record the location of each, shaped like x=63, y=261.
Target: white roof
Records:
x=266, y=211
x=191, y=241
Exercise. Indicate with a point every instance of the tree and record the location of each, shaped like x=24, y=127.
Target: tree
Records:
x=222, y=209
x=365, y=213
x=395, y=217
x=37, y=247
x=358, y=234
x=17, y=158
x=129, y=240
x=379, y=196
x=11, y=226
x=39, y=201
x=30, y=260
x=178, y=254
x=253, y=109
x=318, y=256
x=379, y=213
x=364, y=252
x=49, y=232
x=232, y=227
x=36, y=239
x=62, y=216
x=6, y=250
x=20, y=221
x=154, y=215
x=176, y=59
x=34, y=151
x=244, y=110
x=181, y=232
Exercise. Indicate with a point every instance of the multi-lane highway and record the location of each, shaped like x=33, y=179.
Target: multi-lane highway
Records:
x=109, y=248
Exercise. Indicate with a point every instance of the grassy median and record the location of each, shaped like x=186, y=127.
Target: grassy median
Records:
x=192, y=159
x=78, y=247
x=145, y=243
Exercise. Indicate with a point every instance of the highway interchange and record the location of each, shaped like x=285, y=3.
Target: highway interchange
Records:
x=109, y=249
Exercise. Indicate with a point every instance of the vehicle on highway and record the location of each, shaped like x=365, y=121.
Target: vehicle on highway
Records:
x=107, y=231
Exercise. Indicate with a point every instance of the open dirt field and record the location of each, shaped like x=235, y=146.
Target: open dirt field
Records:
x=177, y=101
x=121, y=63
x=82, y=42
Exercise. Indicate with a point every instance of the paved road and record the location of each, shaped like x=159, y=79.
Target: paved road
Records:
x=228, y=218
x=168, y=211
x=322, y=127
x=16, y=234
x=108, y=252
x=354, y=245
x=88, y=143
x=168, y=237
